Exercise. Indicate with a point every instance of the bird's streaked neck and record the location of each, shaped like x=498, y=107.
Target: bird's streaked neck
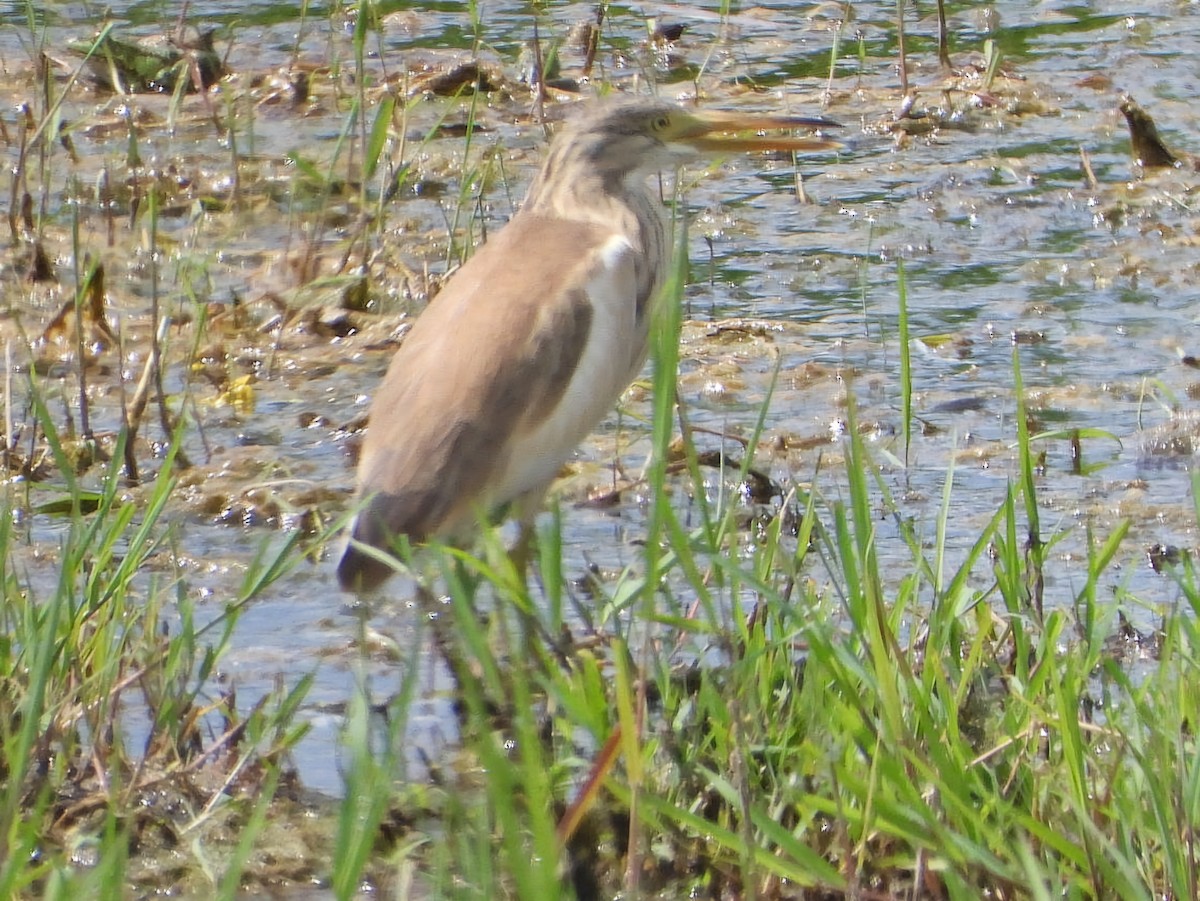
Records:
x=572, y=185
x=580, y=181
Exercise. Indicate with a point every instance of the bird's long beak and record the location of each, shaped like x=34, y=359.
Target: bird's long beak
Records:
x=715, y=132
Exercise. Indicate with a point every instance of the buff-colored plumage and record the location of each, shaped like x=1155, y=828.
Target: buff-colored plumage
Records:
x=529, y=345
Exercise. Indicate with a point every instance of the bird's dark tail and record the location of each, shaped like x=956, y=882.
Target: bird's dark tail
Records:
x=359, y=573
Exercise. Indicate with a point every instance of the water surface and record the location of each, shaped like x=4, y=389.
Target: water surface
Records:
x=1003, y=240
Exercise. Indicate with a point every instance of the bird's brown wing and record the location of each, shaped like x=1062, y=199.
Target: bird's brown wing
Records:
x=490, y=356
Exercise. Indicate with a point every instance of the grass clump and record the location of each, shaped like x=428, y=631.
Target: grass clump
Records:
x=782, y=715
x=116, y=752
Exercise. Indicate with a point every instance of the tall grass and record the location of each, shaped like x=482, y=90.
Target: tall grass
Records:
x=104, y=647
x=773, y=714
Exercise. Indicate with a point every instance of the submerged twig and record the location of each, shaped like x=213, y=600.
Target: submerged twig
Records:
x=18, y=171
x=943, y=37
x=539, y=81
x=158, y=327
x=1085, y=162
x=593, y=43
x=9, y=438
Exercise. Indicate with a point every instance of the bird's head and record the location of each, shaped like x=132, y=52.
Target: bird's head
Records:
x=624, y=138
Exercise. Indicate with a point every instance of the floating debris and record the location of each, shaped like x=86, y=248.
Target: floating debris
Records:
x=85, y=323
x=40, y=267
x=469, y=77
x=152, y=65
x=1149, y=151
x=1176, y=441
x=1163, y=556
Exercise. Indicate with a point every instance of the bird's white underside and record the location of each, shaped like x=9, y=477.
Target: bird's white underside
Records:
x=609, y=362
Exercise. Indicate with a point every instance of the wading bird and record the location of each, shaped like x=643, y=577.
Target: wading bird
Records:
x=530, y=344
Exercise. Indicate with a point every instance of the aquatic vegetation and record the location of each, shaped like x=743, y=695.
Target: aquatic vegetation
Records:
x=897, y=600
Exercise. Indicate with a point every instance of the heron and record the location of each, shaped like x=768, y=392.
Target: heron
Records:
x=532, y=341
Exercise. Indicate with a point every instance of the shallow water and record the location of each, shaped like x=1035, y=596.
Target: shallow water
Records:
x=1001, y=236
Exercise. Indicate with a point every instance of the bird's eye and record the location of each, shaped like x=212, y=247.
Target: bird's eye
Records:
x=661, y=123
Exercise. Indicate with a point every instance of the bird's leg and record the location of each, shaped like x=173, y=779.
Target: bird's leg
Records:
x=525, y=510
x=522, y=551
x=466, y=673
x=522, y=554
